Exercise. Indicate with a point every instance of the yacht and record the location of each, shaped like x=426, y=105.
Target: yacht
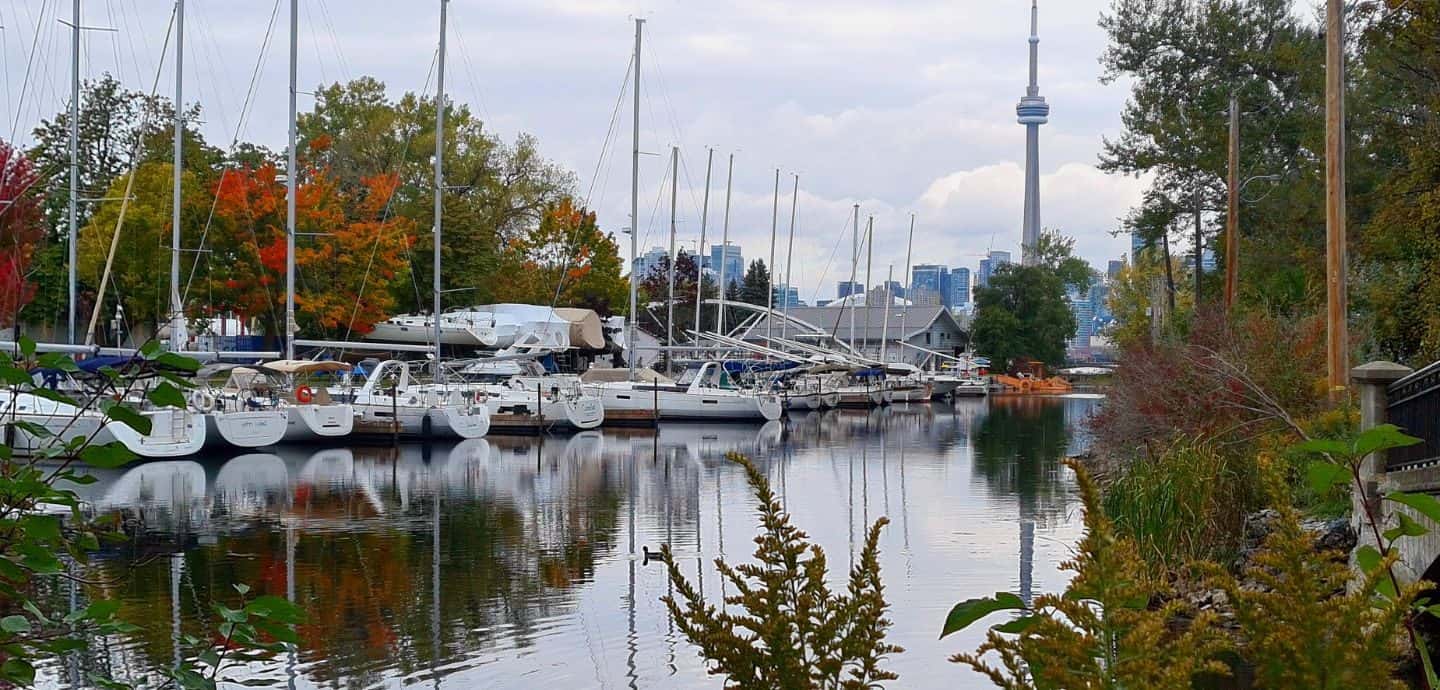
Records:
x=311, y=413
x=524, y=398
x=244, y=412
x=392, y=401
x=705, y=391
x=174, y=432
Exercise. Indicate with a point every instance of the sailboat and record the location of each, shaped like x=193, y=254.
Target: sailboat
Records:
x=394, y=399
x=173, y=433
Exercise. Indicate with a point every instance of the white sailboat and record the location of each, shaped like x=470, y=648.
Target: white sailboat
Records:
x=523, y=398
x=706, y=391
x=393, y=401
x=241, y=413
x=174, y=432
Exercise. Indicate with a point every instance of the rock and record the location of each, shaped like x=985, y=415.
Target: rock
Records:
x=1331, y=535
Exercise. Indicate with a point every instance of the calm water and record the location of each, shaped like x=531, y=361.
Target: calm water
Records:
x=513, y=562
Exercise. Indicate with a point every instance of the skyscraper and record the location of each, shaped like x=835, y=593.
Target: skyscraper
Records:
x=846, y=288
x=1032, y=111
x=1114, y=269
x=734, y=261
x=959, y=287
x=645, y=263
x=931, y=278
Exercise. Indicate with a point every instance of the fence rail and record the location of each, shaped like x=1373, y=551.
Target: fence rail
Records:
x=1414, y=405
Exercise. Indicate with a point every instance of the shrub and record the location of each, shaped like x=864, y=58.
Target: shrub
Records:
x=790, y=631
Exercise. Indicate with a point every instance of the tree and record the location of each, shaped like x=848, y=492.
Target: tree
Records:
x=495, y=192
x=1023, y=311
x=140, y=277
x=565, y=260
x=755, y=288
x=655, y=287
x=21, y=228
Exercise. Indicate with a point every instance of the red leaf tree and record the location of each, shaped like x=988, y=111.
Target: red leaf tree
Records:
x=21, y=228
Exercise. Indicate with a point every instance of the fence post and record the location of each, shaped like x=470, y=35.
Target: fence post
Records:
x=1371, y=380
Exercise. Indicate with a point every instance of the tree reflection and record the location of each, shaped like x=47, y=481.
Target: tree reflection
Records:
x=1019, y=447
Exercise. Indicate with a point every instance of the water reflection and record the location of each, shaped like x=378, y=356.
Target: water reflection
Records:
x=512, y=562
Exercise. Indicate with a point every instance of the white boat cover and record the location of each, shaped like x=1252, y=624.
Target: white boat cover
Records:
x=616, y=375
x=305, y=366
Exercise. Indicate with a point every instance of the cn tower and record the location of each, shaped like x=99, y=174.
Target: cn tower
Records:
x=1032, y=111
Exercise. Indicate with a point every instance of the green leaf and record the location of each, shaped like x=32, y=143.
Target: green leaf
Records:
x=27, y=347
x=971, y=610
x=1339, y=450
x=41, y=527
x=1368, y=558
x=14, y=375
x=1382, y=437
x=107, y=456
x=120, y=413
x=15, y=624
x=1324, y=475
x=181, y=362
x=271, y=607
x=1018, y=625
x=98, y=611
x=1406, y=528
x=150, y=349
x=56, y=360
x=1425, y=504
x=166, y=395
x=35, y=611
x=209, y=657
x=56, y=396
x=18, y=670
x=242, y=588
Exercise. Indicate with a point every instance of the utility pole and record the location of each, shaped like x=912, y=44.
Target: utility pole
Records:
x=1337, y=335
x=630, y=341
x=1199, y=245
x=1232, y=212
x=700, y=253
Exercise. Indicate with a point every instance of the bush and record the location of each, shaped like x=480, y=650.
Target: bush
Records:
x=791, y=631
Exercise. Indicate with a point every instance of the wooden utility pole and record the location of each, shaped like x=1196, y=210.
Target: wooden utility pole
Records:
x=1232, y=215
x=1337, y=335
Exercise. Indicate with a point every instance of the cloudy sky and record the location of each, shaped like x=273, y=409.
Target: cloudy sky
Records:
x=903, y=107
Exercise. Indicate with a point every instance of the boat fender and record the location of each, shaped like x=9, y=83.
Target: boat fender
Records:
x=203, y=401
x=304, y=395
x=426, y=425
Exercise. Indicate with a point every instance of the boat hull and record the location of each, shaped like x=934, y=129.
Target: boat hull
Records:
x=173, y=432
x=565, y=415
x=624, y=401
x=248, y=429
x=310, y=423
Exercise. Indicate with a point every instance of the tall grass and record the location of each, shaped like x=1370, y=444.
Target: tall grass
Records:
x=1185, y=504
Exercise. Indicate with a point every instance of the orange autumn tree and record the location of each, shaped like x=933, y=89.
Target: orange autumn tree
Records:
x=347, y=251
x=567, y=249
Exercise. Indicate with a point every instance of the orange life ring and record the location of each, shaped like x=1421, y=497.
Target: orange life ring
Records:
x=304, y=395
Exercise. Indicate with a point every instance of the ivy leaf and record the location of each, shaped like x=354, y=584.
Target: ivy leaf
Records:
x=1324, y=475
x=166, y=395
x=1406, y=528
x=18, y=670
x=107, y=456
x=175, y=361
x=1328, y=446
x=56, y=360
x=967, y=612
x=1425, y=504
x=120, y=413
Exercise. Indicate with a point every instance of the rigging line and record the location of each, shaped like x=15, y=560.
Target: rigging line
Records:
x=130, y=36
x=342, y=63
x=853, y=278
x=569, y=251
x=114, y=39
x=385, y=216
x=24, y=87
x=654, y=211
x=310, y=25
x=815, y=294
x=234, y=142
x=470, y=72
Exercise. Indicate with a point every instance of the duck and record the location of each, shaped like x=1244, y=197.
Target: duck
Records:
x=648, y=556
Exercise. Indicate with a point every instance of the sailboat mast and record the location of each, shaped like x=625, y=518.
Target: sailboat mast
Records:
x=700, y=267
x=670, y=309
x=854, y=269
x=770, y=267
x=725, y=246
x=885, y=314
x=439, y=186
x=905, y=310
x=74, y=165
x=869, y=254
x=291, y=173
x=177, y=316
x=634, y=206
x=790, y=253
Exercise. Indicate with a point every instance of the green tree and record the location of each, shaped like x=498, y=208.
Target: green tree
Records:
x=755, y=287
x=1023, y=311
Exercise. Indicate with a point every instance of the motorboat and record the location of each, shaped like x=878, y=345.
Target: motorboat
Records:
x=907, y=383
x=393, y=401
x=704, y=391
x=311, y=412
x=863, y=388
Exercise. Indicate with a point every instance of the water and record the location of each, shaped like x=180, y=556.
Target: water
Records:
x=515, y=562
